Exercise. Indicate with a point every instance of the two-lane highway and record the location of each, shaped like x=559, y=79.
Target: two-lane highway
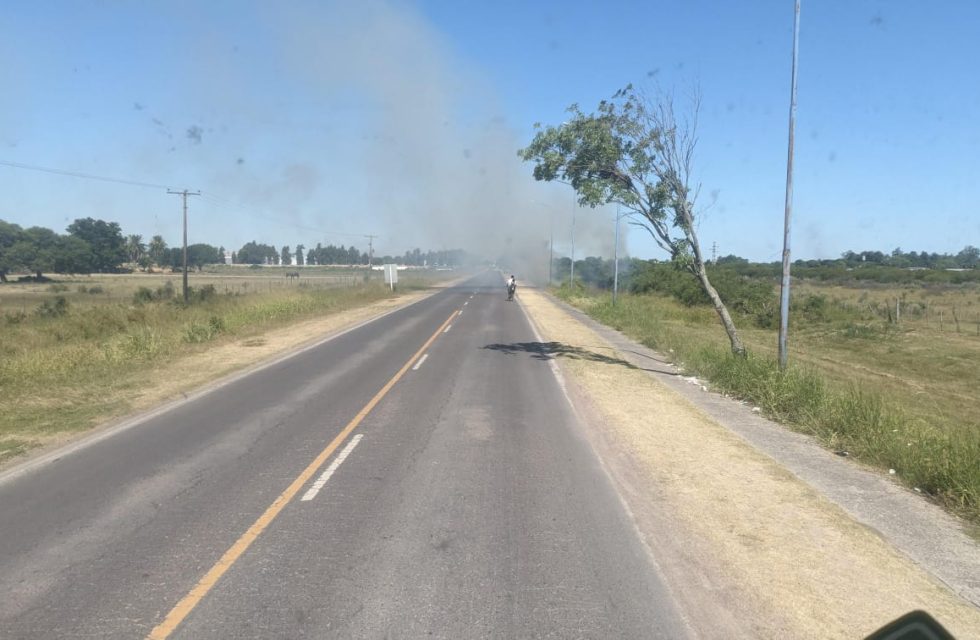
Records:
x=414, y=477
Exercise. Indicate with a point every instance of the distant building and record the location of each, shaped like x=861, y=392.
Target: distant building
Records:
x=228, y=257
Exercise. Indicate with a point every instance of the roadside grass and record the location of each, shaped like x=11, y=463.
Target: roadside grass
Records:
x=68, y=370
x=900, y=397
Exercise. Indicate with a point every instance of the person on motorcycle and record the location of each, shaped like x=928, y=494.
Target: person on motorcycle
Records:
x=511, y=286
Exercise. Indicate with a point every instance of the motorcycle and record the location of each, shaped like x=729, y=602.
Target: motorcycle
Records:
x=511, y=290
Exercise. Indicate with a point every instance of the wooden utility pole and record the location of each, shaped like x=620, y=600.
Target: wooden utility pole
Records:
x=370, y=253
x=184, y=195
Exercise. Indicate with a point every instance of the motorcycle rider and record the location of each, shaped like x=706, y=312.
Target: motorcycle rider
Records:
x=511, y=286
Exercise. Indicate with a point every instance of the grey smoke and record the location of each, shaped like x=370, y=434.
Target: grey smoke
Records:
x=444, y=161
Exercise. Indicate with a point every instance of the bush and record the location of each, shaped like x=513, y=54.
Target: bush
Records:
x=145, y=294
x=204, y=293
x=57, y=288
x=755, y=299
x=814, y=308
x=142, y=295
x=197, y=332
x=53, y=308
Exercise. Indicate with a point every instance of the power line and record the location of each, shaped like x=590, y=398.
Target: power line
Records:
x=215, y=199
x=85, y=176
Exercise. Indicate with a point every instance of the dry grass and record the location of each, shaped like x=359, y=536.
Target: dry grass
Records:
x=900, y=396
x=731, y=528
x=101, y=358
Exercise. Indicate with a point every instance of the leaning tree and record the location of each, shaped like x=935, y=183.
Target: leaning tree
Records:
x=634, y=151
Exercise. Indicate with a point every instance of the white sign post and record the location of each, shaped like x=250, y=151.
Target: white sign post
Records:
x=391, y=275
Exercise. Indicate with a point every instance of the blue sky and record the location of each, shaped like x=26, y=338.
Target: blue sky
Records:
x=301, y=121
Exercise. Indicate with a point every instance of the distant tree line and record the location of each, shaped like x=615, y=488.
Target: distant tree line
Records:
x=91, y=246
x=97, y=246
x=968, y=258
x=257, y=253
x=749, y=287
x=851, y=266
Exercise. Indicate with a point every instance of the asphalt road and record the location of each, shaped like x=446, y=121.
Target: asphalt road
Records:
x=464, y=502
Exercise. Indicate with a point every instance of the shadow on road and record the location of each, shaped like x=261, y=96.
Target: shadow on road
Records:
x=552, y=350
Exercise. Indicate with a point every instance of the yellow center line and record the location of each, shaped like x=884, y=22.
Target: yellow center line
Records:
x=183, y=608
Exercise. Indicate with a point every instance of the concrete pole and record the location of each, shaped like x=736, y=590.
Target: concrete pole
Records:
x=616, y=260
x=788, y=211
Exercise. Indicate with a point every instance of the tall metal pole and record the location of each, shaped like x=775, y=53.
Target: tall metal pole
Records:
x=571, y=276
x=616, y=260
x=184, y=195
x=551, y=252
x=788, y=213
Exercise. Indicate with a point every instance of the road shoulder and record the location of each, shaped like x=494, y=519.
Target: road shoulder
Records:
x=755, y=542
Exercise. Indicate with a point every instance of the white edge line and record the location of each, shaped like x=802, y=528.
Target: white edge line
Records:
x=419, y=363
x=556, y=370
x=448, y=327
x=552, y=364
x=464, y=304
x=128, y=423
x=339, y=460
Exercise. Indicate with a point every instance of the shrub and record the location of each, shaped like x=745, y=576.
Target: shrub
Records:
x=197, y=332
x=815, y=308
x=755, y=299
x=143, y=294
x=53, y=308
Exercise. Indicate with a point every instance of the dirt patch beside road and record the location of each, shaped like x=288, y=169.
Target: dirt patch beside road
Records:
x=750, y=549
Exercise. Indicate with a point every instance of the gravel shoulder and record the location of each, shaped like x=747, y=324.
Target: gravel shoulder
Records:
x=759, y=531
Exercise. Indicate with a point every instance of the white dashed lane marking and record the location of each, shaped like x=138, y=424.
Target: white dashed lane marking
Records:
x=322, y=480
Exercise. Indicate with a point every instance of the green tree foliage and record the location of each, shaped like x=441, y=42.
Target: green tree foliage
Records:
x=968, y=258
x=286, y=255
x=106, y=240
x=199, y=255
x=10, y=234
x=634, y=151
x=135, y=248
x=74, y=255
x=300, y=255
x=36, y=250
x=156, y=250
x=255, y=253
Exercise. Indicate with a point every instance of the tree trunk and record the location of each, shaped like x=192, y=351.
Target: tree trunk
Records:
x=726, y=320
x=3, y=275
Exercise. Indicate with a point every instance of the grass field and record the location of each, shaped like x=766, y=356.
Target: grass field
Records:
x=900, y=394
x=77, y=351
x=238, y=279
